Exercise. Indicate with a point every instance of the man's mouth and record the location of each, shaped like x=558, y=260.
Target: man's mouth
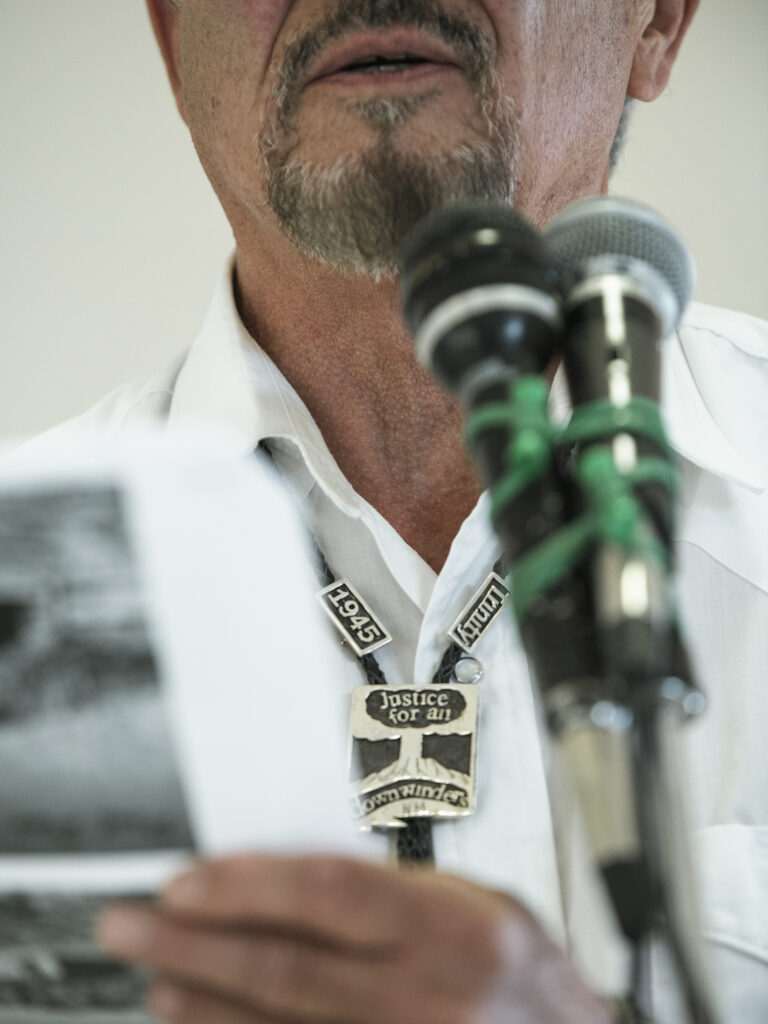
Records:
x=385, y=64
x=395, y=53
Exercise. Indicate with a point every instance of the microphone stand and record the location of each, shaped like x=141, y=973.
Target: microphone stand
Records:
x=593, y=600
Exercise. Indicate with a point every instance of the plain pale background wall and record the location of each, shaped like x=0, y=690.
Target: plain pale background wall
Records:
x=111, y=237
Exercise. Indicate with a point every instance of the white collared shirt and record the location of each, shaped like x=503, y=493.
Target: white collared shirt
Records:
x=715, y=401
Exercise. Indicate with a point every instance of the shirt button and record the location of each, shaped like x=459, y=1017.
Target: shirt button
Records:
x=468, y=670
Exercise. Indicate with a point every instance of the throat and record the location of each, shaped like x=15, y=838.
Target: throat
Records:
x=420, y=480
x=430, y=527
x=395, y=434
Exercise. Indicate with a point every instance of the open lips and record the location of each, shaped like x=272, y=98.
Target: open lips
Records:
x=387, y=63
x=399, y=52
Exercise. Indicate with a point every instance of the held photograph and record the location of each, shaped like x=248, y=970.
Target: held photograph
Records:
x=91, y=804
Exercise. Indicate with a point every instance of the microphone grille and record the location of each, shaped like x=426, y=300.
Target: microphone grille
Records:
x=468, y=244
x=457, y=220
x=607, y=226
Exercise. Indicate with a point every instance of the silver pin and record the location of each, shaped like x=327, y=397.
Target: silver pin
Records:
x=468, y=670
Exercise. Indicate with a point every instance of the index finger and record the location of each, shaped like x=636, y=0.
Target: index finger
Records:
x=335, y=899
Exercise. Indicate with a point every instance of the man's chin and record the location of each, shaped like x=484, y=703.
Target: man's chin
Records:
x=354, y=213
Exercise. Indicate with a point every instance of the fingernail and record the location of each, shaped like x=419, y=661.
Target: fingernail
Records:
x=165, y=1002
x=186, y=890
x=124, y=931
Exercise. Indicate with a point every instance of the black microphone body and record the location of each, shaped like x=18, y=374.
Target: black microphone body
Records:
x=627, y=279
x=483, y=303
x=481, y=300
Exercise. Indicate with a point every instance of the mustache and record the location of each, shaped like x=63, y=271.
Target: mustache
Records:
x=473, y=50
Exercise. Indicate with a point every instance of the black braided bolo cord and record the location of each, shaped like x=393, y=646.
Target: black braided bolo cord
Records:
x=414, y=841
x=627, y=1012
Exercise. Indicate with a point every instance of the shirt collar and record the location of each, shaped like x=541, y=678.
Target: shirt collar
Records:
x=229, y=382
x=692, y=429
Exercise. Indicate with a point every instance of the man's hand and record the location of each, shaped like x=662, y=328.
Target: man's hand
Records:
x=326, y=940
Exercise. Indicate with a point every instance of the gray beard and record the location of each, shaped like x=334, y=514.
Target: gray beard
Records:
x=354, y=215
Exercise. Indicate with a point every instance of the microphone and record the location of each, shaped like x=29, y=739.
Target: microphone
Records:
x=479, y=293
x=481, y=299
x=627, y=278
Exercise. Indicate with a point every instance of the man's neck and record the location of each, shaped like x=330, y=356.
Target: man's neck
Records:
x=395, y=434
